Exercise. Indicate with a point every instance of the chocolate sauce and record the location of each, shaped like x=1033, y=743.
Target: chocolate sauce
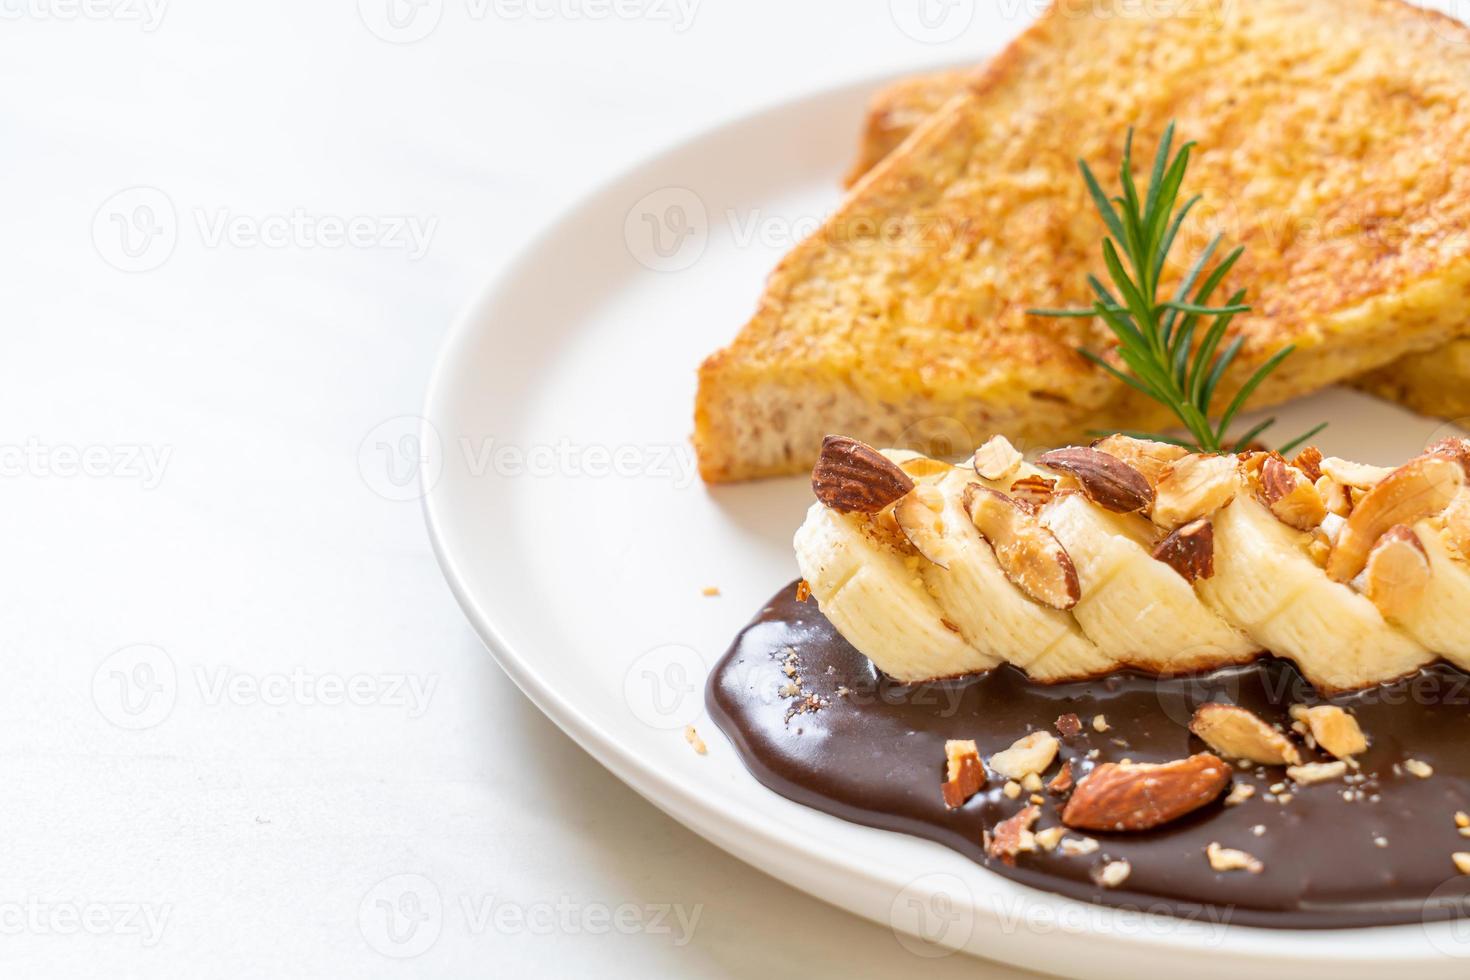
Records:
x=813, y=721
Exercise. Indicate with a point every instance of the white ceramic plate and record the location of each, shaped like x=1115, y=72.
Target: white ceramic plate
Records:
x=564, y=508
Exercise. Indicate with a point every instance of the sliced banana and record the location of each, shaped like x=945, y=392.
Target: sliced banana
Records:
x=1137, y=609
x=1437, y=619
x=876, y=598
x=1267, y=585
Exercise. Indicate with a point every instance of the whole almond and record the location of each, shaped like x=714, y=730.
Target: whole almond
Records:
x=852, y=477
x=1190, y=551
x=1105, y=480
x=1137, y=796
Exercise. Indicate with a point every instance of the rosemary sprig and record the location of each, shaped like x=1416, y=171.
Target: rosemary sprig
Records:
x=1157, y=338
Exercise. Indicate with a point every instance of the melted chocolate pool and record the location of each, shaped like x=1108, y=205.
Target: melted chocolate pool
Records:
x=873, y=753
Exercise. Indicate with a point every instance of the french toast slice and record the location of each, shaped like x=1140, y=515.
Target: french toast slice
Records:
x=1435, y=382
x=1332, y=145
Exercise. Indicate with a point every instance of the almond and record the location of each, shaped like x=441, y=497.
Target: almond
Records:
x=1062, y=782
x=852, y=477
x=1145, y=455
x=997, y=459
x=1317, y=772
x=1457, y=524
x=920, y=516
x=1398, y=572
x=1291, y=496
x=1190, y=551
x=1194, y=487
x=1309, y=461
x=1138, y=796
x=1336, y=731
x=1029, y=554
x=1359, y=476
x=1033, y=491
x=1338, y=499
x=1227, y=859
x=1013, y=836
x=1236, y=733
x=1420, y=488
x=1456, y=448
x=964, y=775
x=1105, y=480
x=923, y=467
x=1028, y=756
x=1069, y=725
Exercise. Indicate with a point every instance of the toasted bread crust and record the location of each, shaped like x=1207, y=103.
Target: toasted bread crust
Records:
x=909, y=305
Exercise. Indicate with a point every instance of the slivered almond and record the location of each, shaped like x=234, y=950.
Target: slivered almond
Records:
x=997, y=459
x=1420, y=488
x=1028, y=756
x=1013, y=836
x=1309, y=461
x=1194, y=487
x=1034, y=491
x=920, y=516
x=852, y=477
x=1105, y=480
x=1145, y=455
x=1139, y=796
x=1291, y=496
x=965, y=774
x=924, y=468
x=1359, y=476
x=1190, y=551
x=1336, y=731
x=1398, y=572
x=1029, y=554
x=1236, y=733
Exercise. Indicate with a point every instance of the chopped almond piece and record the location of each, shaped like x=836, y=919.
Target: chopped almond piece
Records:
x=1062, y=782
x=1114, y=873
x=1013, y=836
x=1031, y=755
x=695, y=742
x=965, y=773
x=1069, y=725
x=1226, y=859
x=1236, y=733
x=1100, y=723
x=1462, y=862
x=1417, y=768
x=1336, y=731
x=1049, y=838
x=997, y=459
x=1317, y=772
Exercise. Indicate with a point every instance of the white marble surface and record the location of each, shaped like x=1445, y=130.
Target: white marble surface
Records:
x=240, y=698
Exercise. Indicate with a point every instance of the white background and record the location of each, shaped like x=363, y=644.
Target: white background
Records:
x=225, y=396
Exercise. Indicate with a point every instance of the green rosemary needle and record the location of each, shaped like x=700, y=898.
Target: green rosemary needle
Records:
x=1157, y=338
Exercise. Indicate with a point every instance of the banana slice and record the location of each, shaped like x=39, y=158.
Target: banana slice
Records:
x=995, y=615
x=875, y=596
x=1267, y=585
x=1437, y=619
x=1135, y=608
